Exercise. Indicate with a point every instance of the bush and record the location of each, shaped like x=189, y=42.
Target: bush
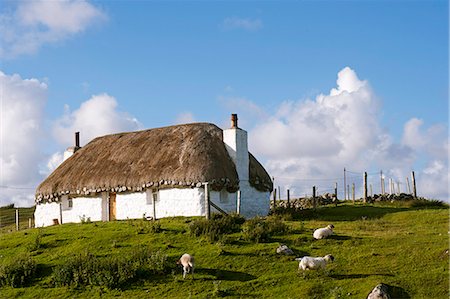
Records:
x=18, y=273
x=218, y=226
x=425, y=203
x=260, y=230
x=111, y=272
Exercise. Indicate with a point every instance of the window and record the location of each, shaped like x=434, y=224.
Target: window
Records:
x=70, y=203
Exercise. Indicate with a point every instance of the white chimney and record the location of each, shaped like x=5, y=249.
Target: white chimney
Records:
x=72, y=149
x=235, y=140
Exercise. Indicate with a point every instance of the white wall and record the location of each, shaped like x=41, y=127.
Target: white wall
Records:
x=170, y=202
x=83, y=208
x=180, y=202
x=133, y=205
x=45, y=213
x=235, y=140
x=253, y=202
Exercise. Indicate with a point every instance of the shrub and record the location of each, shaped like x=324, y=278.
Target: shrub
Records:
x=425, y=203
x=218, y=226
x=37, y=244
x=260, y=230
x=111, y=272
x=18, y=273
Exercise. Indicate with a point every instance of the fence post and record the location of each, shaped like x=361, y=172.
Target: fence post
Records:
x=279, y=193
x=238, y=204
x=17, y=219
x=288, y=199
x=274, y=198
x=335, y=193
x=345, y=184
x=413, y=179
x=314, y=197
x=348, y=192
x=409, y=187
x=381, y=182
x=353, y=192
x=365, y=187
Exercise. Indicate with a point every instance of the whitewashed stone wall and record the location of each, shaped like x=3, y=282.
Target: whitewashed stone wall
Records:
x=45, y=213
x=83, y=208
x=133, y=205
x=253, y=202
x=224, y=200
x=180, y=202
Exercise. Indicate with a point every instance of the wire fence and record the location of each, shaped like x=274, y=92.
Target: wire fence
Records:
x=352, y=185
x=14, y=219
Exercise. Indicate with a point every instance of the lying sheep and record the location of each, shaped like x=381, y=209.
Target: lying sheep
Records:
x=314, y=263
x=187, y=261
x=322, y=233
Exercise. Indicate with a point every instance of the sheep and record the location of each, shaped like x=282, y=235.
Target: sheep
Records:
x=187, y=261
x=322, y=233
x=314, y=263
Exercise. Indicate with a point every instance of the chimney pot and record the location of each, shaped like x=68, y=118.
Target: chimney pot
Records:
x=234, y=121
x=77, y=139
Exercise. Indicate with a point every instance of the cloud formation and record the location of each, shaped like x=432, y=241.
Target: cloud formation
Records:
x=95, y=117
x=247, y=24
x=21, y=132
x=35, y=23
x=309, y=142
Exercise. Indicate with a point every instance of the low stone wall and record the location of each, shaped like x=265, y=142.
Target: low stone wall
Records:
x=305, y=202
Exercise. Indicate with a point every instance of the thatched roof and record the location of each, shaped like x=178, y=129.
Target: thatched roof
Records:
x=175, y=156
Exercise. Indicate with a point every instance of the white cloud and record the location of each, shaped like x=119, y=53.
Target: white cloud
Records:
x=21, y=120
x=185, y=118
x=38, y=22
x=96, y=117
x=309, y=142
x=246, y=24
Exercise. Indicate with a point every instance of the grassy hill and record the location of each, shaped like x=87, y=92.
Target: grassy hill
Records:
x=402, y=246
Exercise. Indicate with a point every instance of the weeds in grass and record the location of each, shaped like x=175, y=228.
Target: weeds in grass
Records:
x=111, y=272
x=425, y=203
x=18, y=272
x=260, y=230
x=145, y=227
x=215, y=228
x=37, y=244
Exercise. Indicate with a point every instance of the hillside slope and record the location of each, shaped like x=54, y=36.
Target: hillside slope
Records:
x=403, y=247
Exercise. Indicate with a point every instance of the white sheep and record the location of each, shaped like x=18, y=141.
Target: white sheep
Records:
x=322, y=233
x=187, y=261
x=314, y=263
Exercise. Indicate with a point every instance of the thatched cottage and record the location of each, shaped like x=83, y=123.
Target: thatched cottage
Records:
x=182, y=170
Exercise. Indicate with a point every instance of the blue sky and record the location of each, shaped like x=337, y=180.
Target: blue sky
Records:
x=160, y=63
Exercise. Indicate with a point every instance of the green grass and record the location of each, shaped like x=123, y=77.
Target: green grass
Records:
x=401, y=245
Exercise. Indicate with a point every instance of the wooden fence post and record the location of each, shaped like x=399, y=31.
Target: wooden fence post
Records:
x=17, y=219
x=288, y=199
x=353, y=192
x=413, y=179
x=381, y=182
x=314, y=197
x=238, y=203
x=335, y=193
x=274, y=198
x=279, y=193
x=365, y=188
x=409, y=187
x=345, y=184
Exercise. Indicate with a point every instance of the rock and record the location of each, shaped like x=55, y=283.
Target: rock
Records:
x=379, y=292
x=283, y=249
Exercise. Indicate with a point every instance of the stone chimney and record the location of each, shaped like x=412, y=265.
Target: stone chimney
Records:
x=72, y=149
x=235, y=140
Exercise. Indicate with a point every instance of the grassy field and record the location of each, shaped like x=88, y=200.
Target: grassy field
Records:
x=404, y=247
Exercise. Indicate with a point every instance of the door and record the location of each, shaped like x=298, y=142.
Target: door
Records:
x=112, y=206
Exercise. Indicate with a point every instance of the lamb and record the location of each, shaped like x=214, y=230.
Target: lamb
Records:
x=314, y=263
x=187, y=261
x=322, y=233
